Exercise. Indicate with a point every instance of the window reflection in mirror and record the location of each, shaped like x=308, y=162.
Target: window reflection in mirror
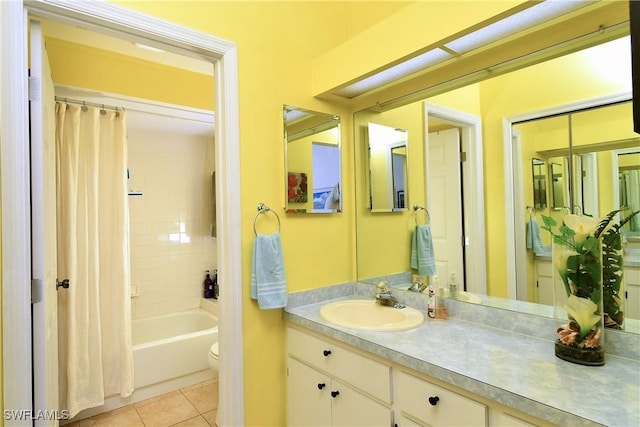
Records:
x=539, y=170
x=629, y=191
x=387, y=163
x=312, y=158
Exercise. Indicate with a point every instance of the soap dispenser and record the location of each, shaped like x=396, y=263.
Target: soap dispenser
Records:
x=208, y=285
x=453, y=286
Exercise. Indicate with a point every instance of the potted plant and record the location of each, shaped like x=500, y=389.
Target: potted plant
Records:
x=587, y=255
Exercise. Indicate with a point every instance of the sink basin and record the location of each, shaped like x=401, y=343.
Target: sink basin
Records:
x=369, y=316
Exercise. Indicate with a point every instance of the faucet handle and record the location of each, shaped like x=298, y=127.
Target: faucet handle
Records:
x=382, y=287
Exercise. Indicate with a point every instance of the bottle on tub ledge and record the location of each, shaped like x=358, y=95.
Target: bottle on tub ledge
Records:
x=208, y=285
x=216, y=288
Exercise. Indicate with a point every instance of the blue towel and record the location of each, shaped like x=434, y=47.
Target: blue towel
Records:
x=534, y=241
x=268, y=284
x=422, y=255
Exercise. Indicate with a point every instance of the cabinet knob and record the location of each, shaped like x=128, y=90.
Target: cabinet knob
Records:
x=321, y=386
x=335, y=394
x=433, y=400
x=326, y=353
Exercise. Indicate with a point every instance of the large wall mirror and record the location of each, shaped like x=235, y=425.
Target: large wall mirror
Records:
x=312, y=158
x=547, y=177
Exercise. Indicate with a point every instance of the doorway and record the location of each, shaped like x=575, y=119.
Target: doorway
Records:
x=112, y=19
x=473, y=254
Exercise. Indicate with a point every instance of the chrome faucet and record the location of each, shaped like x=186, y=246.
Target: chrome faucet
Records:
x=384, y=297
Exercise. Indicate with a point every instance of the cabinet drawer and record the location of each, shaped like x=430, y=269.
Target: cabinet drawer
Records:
x=544, y=268
x=370, y=376
x=632, y=276
x=446, y=408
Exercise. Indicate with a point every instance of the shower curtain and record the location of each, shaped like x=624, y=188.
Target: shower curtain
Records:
x=95, y=349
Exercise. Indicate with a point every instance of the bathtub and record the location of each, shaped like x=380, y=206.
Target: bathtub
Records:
x=172, y=345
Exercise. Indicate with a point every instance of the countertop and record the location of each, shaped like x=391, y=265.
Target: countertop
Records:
x=516, y=370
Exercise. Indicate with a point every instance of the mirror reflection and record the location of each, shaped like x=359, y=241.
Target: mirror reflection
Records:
x=387, y=163
x=566, y=169
x=589, y=174
x=312, y=159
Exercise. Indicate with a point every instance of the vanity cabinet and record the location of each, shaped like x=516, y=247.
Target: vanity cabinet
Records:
x=330, y=385
x=434, y=405
x=632, y=292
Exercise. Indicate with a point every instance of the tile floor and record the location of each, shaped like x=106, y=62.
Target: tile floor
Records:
x=192, y=406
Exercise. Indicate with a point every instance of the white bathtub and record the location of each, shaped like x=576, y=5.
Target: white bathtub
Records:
x=172, y=345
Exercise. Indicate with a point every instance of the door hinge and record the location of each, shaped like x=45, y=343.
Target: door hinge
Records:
x=36, y=291
x=34, y=89
x=463, y=156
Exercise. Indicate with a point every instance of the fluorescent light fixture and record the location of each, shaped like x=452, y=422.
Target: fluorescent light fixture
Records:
x=515, y=23
x=396, y=72
x=523, y=20
x=145, y=47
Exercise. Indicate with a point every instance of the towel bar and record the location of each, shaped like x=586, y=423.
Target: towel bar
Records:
x=417, y=208
x=262, y=208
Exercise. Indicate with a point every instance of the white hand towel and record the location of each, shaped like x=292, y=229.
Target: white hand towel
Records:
x=268, y=284
x=422, y=255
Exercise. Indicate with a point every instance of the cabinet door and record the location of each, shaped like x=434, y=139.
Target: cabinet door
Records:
x=632, y=285
x=350, y=408
x=308, y=401
x=402, y=421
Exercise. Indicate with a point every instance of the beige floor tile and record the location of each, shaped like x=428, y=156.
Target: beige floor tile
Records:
x=210, y=417
x=193, y=422
x=204, y=398
x=157, y=398
x=195, y=386
x=168, y=411
x=123, y=417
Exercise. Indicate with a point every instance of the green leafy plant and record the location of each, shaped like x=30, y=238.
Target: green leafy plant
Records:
x=579, y=259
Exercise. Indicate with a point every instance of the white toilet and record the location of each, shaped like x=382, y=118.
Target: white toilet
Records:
x=214, y=359
x=214, y=363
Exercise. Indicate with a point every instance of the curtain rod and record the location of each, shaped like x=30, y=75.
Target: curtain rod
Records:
x=88, y=104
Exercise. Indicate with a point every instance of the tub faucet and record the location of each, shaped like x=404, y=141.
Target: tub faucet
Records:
x=384, y=297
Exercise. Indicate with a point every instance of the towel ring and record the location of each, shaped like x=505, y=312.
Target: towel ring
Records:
x=417, y=208
x=262, y=208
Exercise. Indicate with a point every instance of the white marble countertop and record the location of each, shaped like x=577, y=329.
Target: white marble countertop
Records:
x=513, y=369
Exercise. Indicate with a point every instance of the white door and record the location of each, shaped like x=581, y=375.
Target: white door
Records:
x=43, y=232
x=445, y=203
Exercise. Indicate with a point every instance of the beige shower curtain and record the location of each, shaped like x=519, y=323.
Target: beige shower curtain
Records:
x=95, y=354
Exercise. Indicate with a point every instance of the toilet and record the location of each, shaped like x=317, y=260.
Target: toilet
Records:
x=214, y=363
x=214, y=359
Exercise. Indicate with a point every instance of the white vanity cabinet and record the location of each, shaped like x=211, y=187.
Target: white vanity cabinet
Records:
x=435, y=406
x=329, y=385
x=632, y=292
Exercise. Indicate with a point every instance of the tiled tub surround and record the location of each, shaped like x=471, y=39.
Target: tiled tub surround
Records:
x=498, y=354
x=170, y=224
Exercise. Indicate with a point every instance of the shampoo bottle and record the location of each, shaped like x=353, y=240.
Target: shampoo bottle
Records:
x=216, y=288
x=208, y=285
x=431, y=307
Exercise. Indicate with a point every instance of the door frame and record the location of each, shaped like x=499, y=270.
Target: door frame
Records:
x=14, y=168
x=473, y=183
